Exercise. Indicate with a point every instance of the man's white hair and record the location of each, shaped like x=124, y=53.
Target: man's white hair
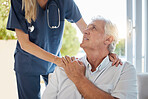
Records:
x=111, y=30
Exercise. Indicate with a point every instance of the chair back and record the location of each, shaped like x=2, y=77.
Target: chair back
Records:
x=142, y=79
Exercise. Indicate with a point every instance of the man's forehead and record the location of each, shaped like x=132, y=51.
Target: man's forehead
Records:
x=98, y=22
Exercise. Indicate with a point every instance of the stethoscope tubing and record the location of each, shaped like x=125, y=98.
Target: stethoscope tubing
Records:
x=53, y=27
x=31, y=27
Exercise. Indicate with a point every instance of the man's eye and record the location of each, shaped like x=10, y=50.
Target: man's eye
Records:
x=93, y=27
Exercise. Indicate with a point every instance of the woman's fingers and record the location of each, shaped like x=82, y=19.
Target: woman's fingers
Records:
x=114, y=62
x=120, y=62
x=117, y=63
x=111, y=58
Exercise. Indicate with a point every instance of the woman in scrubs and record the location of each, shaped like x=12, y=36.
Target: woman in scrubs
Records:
x=39, y=28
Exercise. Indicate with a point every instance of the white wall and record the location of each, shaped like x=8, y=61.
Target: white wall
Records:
x=8, y=88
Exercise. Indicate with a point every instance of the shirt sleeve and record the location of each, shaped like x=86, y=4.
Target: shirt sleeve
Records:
x=16, y=17
x=126, y=87
x=52, y=87
x=72, y=13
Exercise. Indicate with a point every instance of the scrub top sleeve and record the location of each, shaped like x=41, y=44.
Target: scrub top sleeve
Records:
x=16, y=17
x=72, y=13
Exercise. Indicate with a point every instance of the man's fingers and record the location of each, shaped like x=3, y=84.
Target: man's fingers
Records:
x=73, y=58
x=81, y=63
x=68, y=59
x=64, y=60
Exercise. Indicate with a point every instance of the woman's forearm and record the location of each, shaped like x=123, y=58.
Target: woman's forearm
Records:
x=32, y=48
x=81, y=25
x=38, y=52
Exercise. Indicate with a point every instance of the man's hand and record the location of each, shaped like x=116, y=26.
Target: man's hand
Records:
x=114, y=58
x=74, y=69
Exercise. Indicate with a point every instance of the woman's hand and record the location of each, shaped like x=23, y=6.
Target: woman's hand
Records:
x=58, y=61
x=114, y=58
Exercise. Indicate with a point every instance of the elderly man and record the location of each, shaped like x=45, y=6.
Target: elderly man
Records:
x=94, y=77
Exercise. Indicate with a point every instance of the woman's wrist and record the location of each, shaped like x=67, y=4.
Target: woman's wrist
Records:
x=55, y=59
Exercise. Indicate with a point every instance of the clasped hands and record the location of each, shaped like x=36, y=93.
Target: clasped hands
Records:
x=75, y=69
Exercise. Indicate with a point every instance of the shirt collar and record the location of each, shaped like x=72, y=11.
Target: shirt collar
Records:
x=102, y=65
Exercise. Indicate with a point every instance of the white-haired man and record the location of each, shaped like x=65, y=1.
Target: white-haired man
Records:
x=94, y=77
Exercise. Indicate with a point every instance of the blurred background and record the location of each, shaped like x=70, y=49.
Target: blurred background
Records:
x=130, y=16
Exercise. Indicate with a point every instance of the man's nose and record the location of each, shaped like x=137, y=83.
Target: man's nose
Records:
x=87, y=31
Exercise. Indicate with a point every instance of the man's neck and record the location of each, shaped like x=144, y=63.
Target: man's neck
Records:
x=95, y=57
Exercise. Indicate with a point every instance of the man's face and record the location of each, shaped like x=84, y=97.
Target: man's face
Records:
x=94, y=36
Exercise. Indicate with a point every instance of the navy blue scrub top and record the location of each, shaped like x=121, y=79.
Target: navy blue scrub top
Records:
x=48, y=39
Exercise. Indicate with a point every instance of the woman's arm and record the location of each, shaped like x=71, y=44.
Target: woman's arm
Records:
x=81, y=25
x=35, y=50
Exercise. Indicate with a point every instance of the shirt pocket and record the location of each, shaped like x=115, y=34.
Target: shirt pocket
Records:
x=105, y=87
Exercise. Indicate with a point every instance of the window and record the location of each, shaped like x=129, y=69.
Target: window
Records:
x=136, y=43
x=115, y=10
x=130, y=16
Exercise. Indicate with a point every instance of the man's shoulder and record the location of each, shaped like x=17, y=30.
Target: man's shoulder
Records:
x=83, y=58
x=128, y=68
x=59, y=69
x=127, y=65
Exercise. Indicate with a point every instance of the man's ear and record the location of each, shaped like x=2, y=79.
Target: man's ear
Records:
x=108, y=40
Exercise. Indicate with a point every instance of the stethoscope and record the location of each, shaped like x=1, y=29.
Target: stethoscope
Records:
x=31, y=27
x=56, y=5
